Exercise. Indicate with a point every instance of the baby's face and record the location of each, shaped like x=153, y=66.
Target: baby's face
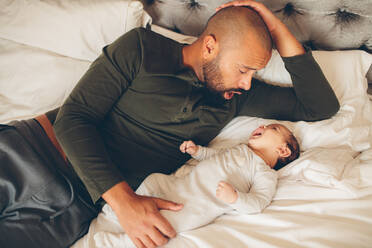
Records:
x=270, y=136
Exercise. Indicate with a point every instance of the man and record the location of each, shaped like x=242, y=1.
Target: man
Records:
x=145, y=94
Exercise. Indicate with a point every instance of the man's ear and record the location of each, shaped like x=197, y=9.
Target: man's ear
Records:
x=284, y=151
x=210, y=46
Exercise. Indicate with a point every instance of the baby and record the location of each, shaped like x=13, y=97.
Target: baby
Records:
x=241, y=178
x=269, y=147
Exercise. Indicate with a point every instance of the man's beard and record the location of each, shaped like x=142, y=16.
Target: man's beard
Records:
x=213, y=76
x=214, y=82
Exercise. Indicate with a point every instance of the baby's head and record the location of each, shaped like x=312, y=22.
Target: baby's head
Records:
x=275, y=144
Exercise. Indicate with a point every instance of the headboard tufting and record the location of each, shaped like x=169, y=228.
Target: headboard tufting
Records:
x=321, y=24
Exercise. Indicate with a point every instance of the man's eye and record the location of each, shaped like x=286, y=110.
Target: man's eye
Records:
x=242, y=72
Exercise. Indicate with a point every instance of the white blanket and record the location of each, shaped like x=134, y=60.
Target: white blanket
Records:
x=323, y=199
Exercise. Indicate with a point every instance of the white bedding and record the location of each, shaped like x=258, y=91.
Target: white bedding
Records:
x=323, y=199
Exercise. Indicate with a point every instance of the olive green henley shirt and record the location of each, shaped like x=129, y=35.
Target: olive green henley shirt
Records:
x=137, y=103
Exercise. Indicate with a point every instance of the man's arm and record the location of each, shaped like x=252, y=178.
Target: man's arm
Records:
x=83, y=112
x=76, y=128
x=311, y=97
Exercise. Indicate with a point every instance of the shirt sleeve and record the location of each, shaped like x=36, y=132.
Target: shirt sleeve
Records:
x=260, y=194
x=310, y=99
x=94, y=96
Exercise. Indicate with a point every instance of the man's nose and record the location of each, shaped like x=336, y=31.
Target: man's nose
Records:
x=245, y=83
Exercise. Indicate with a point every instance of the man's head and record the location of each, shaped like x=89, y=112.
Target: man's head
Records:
x=276, y=143
x=234, y=44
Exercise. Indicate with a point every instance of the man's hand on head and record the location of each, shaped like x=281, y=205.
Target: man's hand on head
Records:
x=139, y=216
x=285, y=42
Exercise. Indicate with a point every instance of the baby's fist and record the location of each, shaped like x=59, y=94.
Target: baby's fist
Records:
x=226, y=192
x=189, y=147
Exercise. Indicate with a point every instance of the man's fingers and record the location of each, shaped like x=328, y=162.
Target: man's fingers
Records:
x=151, y=237
x=167, y=205
x=157, y=237
x=147, y=241
x=162, y=223
x=165, y=227
x=252, y=4
x=138, y=243
x=233, y=3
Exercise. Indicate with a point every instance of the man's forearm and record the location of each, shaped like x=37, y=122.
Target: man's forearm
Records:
x=286, y=44
x=119, y=193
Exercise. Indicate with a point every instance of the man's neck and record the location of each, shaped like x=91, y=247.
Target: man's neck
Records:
x=191, y=58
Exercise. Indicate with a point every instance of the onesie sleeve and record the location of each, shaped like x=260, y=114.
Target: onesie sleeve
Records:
x=206, y=152
x=260, y=194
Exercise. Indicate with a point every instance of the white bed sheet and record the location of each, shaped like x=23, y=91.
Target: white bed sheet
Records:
x=302, y=214
x=324, y=199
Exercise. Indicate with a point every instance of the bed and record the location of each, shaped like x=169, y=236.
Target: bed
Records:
x=323, y=199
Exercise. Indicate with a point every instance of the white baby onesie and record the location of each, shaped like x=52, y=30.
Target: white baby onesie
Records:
x=252, y=178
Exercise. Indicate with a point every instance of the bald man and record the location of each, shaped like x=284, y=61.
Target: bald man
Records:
x=146, y=94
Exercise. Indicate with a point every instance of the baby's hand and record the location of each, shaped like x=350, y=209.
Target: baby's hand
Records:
x=189, y=147
x=226, y=192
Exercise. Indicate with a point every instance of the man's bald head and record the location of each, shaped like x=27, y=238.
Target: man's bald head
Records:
x=232, y=26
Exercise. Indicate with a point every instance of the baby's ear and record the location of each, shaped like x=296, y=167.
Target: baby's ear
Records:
x=284, y=151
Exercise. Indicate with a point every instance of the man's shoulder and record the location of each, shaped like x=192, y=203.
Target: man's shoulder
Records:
x=145, y=34
x=166, y=52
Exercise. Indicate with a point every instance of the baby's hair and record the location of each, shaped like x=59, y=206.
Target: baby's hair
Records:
x=293, y=145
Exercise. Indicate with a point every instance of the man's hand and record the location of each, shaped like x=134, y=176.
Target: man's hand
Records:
x=226, y=192
x=286, y=44
x=189, y=147
x=139, y=216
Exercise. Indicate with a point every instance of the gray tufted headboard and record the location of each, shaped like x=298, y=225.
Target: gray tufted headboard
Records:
x=321, y=24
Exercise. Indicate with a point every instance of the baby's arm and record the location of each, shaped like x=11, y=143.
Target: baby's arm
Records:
x=259, y=196
x=196, y=151
x=226, y=192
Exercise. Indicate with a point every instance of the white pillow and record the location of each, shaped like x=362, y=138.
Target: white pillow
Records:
x=319, y=166
x=74, y=28
x=345, y=70
x=34, y=80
